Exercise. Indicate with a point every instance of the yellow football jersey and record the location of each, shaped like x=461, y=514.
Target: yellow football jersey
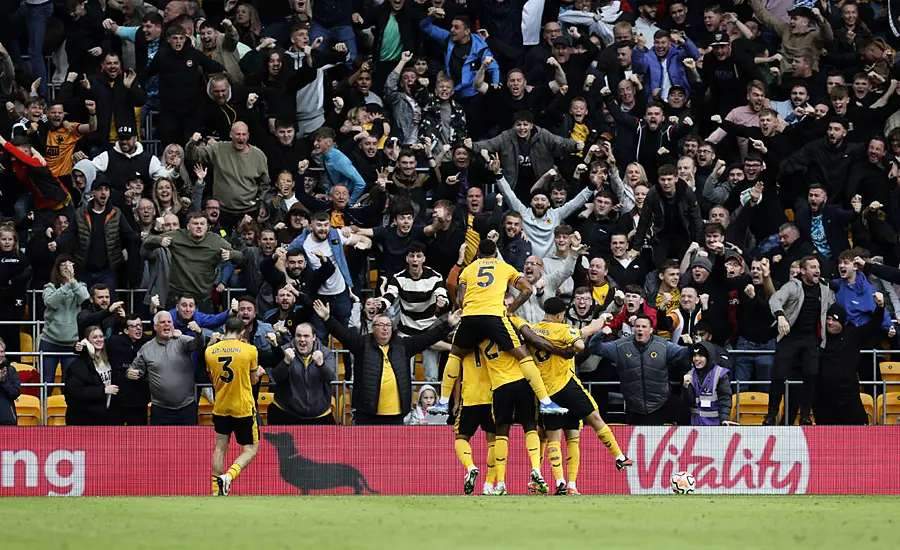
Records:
x=229, y=364
x=476, y=380
x=486, y=280
x=555, y=370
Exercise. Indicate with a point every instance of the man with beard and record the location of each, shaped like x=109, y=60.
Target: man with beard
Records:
x=825, y=225
x=464, y=173
x=869, y=177
x=127, y=158
x=368, y=160
x=662, y=67
x=754, y=324
x=799, y=98
x=147, y=44
x=539, y=220
x=645, y=24
x=251, y=269
x=180, y=83
x=800, y=307
x=62, y=136
x=116, y=96
x=726, y=74
x=259, y=334
x=288, y=269
x=826, y=161
x=240, y=170
x=603, y=289
x=512, y=244
x=287, y=313
x=626, y=265
x=837, y=388
x=746, y=115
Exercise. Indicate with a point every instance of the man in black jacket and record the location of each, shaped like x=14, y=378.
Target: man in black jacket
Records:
x=99, y=311
x=672, y=211
x=129, y=406
x=826, y=161
x=180, y=83
x=372, y=354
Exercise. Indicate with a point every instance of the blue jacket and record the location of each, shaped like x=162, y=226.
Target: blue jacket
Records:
x=10, y=389
x=205, y=320
x=334, y=238
x=339, y=169
x=646, y=63
x=473, y=61
x=858, y=301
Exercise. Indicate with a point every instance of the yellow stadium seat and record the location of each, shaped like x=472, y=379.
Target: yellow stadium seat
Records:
x=373, y=278
x=890, y=371
x=419, y=368
x=56, y=410
x=204, y=411
x=334, y=410
x=889, y=405
x=753, y=408
x=28, y=409
x=262, y=404
x=26, y=344
x=869, y=405
x=57, y=379
x=789, y=214
x=22, y=367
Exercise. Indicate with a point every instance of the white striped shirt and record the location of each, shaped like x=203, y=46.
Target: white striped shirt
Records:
x=418, y=299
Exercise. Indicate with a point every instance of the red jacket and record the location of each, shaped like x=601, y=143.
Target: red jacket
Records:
x=49, y=193
x=623, y=316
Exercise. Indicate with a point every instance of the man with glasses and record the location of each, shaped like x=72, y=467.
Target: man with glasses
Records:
x=129, y=406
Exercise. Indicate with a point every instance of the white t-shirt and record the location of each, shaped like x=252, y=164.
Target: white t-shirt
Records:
x=289, y=202
x=335, y=284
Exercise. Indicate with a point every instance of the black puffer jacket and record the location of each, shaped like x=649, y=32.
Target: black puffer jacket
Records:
x=654, y=214
x=368, y=360
x=85, y=394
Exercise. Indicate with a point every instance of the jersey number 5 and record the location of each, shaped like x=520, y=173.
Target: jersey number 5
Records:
x=485, y=272
x=227, y=374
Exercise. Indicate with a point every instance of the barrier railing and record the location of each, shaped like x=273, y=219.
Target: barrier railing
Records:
x=342, y=389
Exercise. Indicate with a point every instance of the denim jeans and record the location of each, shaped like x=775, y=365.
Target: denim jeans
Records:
x=754, y=367
x=48, y=363
x=340, y=310
x=334, y=35
x=35, y=18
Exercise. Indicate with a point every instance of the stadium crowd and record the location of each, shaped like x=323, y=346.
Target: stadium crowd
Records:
x=728, y=171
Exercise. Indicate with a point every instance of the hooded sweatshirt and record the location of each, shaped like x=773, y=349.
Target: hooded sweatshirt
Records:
x=418, y=414
x=89, y=169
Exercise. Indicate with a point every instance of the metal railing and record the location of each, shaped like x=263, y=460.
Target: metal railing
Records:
x=342, y=389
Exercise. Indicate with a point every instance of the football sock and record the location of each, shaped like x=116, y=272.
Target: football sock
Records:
x=501, y=450
x=215, y=486
x=533, y=446
x=543, y=450
x=533, y=375
x=573, y=459
x=491, y=464
x=609, y=440
x=464, y=452
x=555, y=455
x=451, y=373
x=234, y=471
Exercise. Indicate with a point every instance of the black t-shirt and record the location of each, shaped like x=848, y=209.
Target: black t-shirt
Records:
x=394, y=247
x=674, y=223
x=97, y=259
x=458, y=59
x=503, y=106
x=808, y=320
x=526, y=177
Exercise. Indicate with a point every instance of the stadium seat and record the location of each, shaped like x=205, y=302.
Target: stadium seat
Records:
x=57, y=379
x=753, y=408
x=888, y=405
x=890, y=371
x=26, y=344
x=419, y=366
x=22, y=367
x=28, y=409
x=262, y=404
x=204, y=412
x=56, y=410
x=869, y=405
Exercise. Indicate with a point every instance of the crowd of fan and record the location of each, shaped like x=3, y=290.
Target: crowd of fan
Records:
x=716, y=160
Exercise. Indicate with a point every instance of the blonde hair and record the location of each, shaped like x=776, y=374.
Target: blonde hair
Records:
x=176, y=198
x=9, y=227
x=643, y=173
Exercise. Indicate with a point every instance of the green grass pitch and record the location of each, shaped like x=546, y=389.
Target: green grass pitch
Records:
x=557, y=523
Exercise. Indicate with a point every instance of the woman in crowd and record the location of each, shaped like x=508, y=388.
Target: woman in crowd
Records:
x=89, y=387
x=63, y=296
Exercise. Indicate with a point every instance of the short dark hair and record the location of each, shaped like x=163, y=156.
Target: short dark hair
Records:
x=667, y=170
x=523, y=116
x=234, y=324
x=403, y=208
x=714, y=227
x=634, y=289
x=644, y=316
x=563, y=229
x=154, y=18
x=661, y=34
x=487, y=248
x=98, y=286
x=554, y=306
x=416, y=247
x=806, y=259
x=582, y=290
x=320, y=217
x=668, y=264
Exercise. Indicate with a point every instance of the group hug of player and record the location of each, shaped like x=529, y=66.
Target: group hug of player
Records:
x=495, y=381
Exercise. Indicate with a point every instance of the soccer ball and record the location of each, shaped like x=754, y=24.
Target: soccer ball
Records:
x=683, y=483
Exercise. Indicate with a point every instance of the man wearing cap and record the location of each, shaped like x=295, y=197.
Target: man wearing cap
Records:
x=796, y=36
x=98, y=237
x=539, y=220
x=127, y=158
x=837, y=390
x=800, y=308
x=662, y=66
x=726, y=73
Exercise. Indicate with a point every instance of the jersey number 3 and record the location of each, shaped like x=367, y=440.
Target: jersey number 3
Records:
x=227, y=374
x=485, y=272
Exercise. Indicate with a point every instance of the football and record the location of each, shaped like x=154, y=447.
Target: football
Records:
x=683, y=483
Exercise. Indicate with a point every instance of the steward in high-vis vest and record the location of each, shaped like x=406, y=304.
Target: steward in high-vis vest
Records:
x=707, y=388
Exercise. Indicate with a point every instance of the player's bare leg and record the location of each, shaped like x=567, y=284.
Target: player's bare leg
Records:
x=248, y=453
x=573, y=459
x=451, y=374
x=218, y=463
x=533, y=375
x=608, y=439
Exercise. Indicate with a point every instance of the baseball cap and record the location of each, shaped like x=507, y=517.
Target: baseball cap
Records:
x=719, y=39
x=125, y=132
x=733, y=255
x=837, y=313
x=560, y=41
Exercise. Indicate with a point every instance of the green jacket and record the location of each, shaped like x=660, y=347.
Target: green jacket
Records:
x=194, y=263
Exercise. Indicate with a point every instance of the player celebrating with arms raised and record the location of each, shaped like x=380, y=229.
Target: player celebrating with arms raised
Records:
x=233, y=369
